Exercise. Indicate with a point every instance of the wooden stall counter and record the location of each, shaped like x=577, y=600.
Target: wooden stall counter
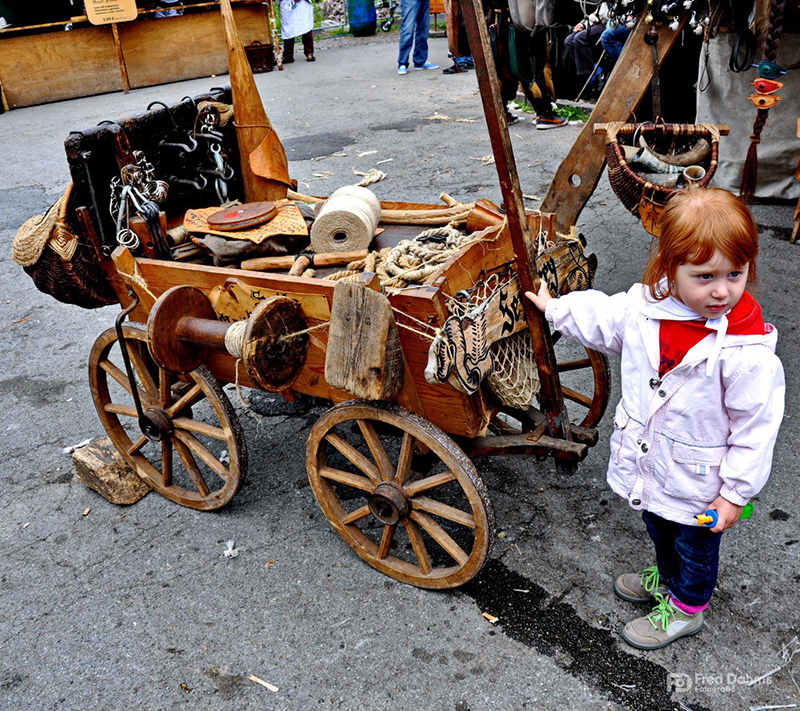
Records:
x=44, y=63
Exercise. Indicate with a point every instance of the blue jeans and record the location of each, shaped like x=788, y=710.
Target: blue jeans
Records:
x=614, y=40
x=414, y=28
x=687, y=556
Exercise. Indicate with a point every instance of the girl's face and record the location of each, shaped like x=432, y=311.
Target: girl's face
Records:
x=712, y=288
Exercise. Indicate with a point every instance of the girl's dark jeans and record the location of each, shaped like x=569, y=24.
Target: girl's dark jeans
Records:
x=687, y=556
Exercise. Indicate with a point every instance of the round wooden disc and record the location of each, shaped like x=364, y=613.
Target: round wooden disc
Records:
x=241, y=217
x=167, y=350
x=271, y=362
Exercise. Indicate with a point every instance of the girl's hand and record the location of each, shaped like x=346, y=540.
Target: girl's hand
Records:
x=542, y=298
x=727, y=512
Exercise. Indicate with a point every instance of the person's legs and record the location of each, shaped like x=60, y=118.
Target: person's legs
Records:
x=688, y=560
x=698, y=549
x=408, y=14
x=421, y=31
x=308, y=45
x=614, y=40
x=288, y=51
x=582, y=46
x=663, y=534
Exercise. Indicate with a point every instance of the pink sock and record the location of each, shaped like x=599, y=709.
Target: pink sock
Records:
x=688, y=609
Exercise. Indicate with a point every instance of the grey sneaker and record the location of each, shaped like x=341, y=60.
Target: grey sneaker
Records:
x=662, y=626
x=641, y=586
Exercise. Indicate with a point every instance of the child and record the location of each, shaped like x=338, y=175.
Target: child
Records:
x=702, y=398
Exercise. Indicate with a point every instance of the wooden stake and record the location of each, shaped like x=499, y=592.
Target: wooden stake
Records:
x=123, y=69
x=551, y=398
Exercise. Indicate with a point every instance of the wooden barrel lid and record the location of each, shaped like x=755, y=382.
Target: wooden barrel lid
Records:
x=242, y=217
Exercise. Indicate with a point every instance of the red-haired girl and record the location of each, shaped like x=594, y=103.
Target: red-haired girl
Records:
x=702, y=398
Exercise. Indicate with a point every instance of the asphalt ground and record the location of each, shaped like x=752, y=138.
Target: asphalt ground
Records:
x=136, y=607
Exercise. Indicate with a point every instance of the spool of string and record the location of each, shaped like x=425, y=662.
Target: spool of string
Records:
x=346, y=221
x=234, y=338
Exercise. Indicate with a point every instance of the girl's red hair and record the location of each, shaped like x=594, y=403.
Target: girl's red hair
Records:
x=695, y=223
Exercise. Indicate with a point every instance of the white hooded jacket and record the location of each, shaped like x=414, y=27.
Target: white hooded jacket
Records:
x=706, y=429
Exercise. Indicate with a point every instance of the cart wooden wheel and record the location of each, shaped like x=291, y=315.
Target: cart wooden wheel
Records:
x=584, y=377
x=197, y=456
x=424, y=520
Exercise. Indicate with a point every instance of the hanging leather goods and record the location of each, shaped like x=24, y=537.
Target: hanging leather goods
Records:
x=764, y=101
x=767, y=69
x=767, y=86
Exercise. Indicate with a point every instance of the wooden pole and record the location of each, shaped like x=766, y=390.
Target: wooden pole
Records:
x=550, y=395
x=123, y=70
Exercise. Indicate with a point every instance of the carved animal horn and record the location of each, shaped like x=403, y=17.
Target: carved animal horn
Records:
x=645, y=157
x=696, y=154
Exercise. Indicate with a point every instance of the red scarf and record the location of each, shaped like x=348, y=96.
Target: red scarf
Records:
x=677, y=338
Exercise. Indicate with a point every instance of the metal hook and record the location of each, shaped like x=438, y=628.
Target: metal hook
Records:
x=166, y=108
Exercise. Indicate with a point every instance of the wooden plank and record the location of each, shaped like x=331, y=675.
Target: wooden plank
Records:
x=578, y=174
x=364, y=353
x=33, y=68
x=166, y=49
x=123, y=70
x=523, y=444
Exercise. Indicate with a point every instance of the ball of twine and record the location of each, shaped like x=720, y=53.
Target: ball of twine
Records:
x=346, y=221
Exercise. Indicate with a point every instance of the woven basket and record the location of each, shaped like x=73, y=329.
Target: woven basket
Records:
x=66, y=267
x=640, y=196
x=261, y=57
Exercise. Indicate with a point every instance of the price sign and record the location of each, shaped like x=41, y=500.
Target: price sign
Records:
x=106, y=12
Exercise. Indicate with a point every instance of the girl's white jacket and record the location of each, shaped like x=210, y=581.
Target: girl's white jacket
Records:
x=681, y=441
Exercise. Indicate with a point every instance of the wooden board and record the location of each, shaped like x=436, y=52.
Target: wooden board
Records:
x=36, y=69
x=166, y=49
x=578, y=174
x=364, y=352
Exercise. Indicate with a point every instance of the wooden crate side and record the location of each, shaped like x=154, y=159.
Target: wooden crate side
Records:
x=464, y=269
x=37, y=69
x=446, y=407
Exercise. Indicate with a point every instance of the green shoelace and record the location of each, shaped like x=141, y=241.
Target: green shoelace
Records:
x=650, y=578
x=661, y=612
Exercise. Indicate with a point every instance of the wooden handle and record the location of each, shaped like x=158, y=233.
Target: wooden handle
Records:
x=601, y=128
x=328, y=259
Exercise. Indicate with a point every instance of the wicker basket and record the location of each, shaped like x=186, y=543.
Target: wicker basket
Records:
x=67, y=268
x=640, y=196
x=261, y=57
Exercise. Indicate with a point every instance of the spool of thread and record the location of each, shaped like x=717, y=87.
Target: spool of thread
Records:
x=346, y=221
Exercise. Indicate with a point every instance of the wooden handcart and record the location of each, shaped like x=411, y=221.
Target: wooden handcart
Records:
x=389, y=463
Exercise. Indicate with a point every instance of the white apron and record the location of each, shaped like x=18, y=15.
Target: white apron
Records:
x=297, y=18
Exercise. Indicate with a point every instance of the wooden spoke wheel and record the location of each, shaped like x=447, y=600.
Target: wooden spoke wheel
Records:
x=584, y=377
x=194, y=452
x=401, y=493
